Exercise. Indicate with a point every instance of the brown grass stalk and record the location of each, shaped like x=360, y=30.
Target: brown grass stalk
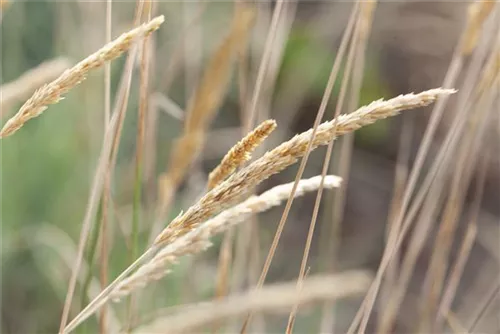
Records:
x=451, y=76
x=270, y=298
x=204, y=104
x=456, y=274
x=433, y=180
x=465, y=162
x=139, y=154
x=104, y=233
x=105, y=167
x=356, y=58
x=367, y=10
x=96, y=190
x=22, y=87
x=240, y=153
x=400, y=178
x=477, y=13
x=307, y=149
x=52, y=92
x=277, y=28
x=326, y=162
x=445, y=236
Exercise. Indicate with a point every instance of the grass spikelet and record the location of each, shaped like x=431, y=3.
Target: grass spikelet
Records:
x=28, y=82
x=52, y=92
x=478, y=12
x=199, y=239
x=240, y=153
x=228, y=192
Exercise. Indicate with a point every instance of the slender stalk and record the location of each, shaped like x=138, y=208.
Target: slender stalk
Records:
x=94, y=241
x=365, y=8
x=394, y=239
x=104, y=263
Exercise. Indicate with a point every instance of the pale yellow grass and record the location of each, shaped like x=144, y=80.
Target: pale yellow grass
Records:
x=52, y=93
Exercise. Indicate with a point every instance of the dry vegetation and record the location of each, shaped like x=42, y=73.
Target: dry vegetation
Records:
x=423, y=197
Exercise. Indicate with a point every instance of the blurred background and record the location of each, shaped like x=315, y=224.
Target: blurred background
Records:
x=48, y=166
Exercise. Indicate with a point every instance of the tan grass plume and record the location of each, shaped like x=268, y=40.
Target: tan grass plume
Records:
x=52, y=93
x=231, y=190
x=199, y=239
x=240, y=153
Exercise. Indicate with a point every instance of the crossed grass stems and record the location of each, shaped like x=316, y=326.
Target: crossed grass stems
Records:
x=225, y=204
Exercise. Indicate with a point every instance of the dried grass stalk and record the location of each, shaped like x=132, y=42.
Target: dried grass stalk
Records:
x=281, y=296
x=199, y=239
x=21, y=88
x=240, y=153
x=477, y=14
x=203, y=106
x=231, y=190
x=52, y=92
x=490, y=73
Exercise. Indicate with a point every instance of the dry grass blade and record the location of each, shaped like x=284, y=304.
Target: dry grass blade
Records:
x=240, y=153
x=105, y=167
x=355, y=64
x=52, y=92
x=477, y=13
x=269, y=298
x=465, y=161
x=96, y=190
x=153, y=262
x=326, y=163
x=203, y=106
x=28, y=82
x=451, y=76
x=104, y=232
x=456, y=274
x=431, y=194
x=231, y=190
